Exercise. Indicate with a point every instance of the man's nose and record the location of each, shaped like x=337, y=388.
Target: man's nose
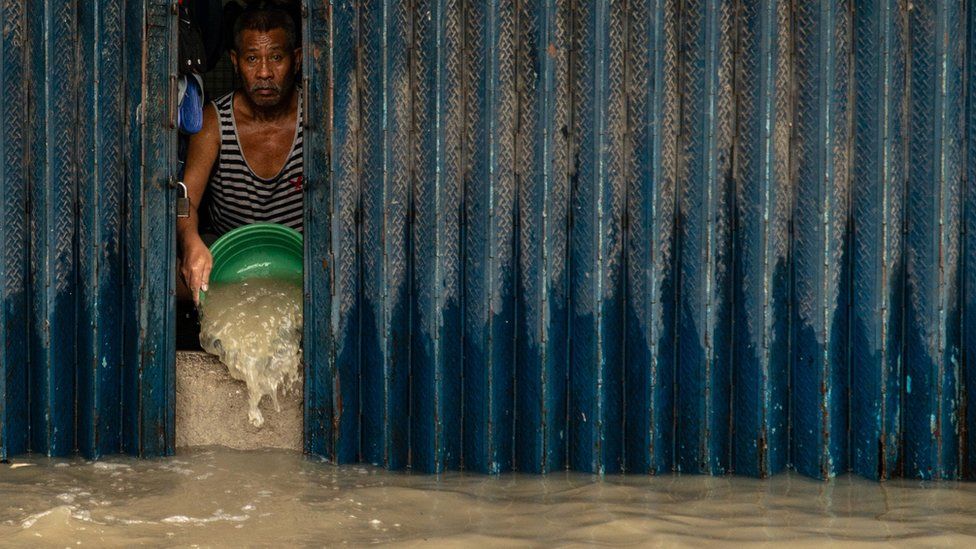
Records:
x=264, y=69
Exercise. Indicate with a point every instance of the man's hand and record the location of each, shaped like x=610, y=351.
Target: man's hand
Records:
x=196, y=266
x=195, y=258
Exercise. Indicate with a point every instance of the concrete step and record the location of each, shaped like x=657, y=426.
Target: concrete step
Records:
x=211, y=409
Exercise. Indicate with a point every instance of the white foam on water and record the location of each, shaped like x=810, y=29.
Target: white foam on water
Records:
x=281, y=498
x=255, y=328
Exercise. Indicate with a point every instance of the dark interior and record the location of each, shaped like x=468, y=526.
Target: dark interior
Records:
x=215, y=20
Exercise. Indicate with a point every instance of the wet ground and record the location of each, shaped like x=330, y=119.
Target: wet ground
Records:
x=220, y=497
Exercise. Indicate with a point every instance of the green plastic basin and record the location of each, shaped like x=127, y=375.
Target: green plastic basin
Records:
x=260, y=250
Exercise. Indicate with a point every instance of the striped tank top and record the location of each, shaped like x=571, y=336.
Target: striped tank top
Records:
x=238, y=196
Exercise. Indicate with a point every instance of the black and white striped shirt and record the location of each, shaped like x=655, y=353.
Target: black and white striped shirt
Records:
x=238, y=196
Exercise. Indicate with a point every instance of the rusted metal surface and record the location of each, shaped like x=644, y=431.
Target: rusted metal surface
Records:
x=438, y=124
x=320, y=404
x=52, y=173
x=637, y=235
x=101, y=186
x=542, y=155
x=148, y=372
x=821, y=261
x=932, y=391
x=704, y=225
x=14, y=235
x=680, y=242
x=764, y=198
x=878, y=188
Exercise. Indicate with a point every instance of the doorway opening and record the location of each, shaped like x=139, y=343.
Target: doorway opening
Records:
x=211, y=27
x=235, y=179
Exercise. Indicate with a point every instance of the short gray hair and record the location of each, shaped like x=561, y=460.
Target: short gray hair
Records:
x=265, y=19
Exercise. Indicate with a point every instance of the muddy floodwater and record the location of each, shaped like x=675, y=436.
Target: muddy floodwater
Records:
x=219, y=497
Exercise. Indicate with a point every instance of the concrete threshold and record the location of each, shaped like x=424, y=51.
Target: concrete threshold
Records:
x=211, y=409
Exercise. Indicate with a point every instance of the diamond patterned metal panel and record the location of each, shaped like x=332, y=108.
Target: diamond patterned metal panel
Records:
x=489, y=273
x=14, y=235
x=541, y=169
x=52, y=174
x=653, y=102
x=100, y=190
x=877, y=202
x=386, y=111
x=763, y=202
x=705, y=224
x=149, y=357
x=344, y=212
x=436, y=262
x=933, y=354
x=821, y=266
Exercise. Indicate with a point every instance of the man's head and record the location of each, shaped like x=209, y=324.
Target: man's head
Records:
x=266, y=55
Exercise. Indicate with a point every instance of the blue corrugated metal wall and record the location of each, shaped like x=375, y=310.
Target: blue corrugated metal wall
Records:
x=639, y=235
x=86, y=361
x=642, y=235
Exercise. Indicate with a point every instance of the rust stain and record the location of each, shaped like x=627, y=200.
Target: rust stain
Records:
x=337, y=414
x=551, y=50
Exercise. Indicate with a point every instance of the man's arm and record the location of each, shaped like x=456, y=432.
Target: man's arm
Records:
x=200, y=158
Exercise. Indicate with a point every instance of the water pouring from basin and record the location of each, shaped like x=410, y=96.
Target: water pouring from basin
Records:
x=251, y=316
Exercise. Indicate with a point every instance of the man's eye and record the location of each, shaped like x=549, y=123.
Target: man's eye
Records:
x=251, y=59
x=276, y=58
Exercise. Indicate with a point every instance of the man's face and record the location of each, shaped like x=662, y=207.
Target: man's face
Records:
x=266, y=66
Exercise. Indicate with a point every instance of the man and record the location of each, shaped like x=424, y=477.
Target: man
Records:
x=249, y=151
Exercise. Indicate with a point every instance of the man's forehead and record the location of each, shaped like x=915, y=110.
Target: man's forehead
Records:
x=260, y=40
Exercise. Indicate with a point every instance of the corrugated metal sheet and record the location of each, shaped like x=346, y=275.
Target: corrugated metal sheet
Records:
x=642, y=235
x=87, y=360
x=704, y=236
x=15, y=233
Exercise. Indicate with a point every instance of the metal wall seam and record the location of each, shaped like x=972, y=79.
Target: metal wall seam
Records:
x=705, y=238
x=14, y=236
x=542, y=171
x=438, y=121
x=953, y=21
x=385, y=100
x=877, y=264
x=133, y=48
x=53, y=195
x=932, y=332
x=821, y=264
x=489, y=262
x=101, y=187
x=762, y=239
x=320, y=369
x=969, y=257
x=653, y=103
x=345, y=186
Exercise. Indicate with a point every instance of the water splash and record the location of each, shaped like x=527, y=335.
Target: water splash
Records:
x=255, y=328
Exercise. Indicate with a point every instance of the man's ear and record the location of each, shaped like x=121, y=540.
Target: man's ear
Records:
x=298, y=61
x=233, y=61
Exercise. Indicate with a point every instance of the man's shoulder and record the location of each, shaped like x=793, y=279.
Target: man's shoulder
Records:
x=224, y=101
